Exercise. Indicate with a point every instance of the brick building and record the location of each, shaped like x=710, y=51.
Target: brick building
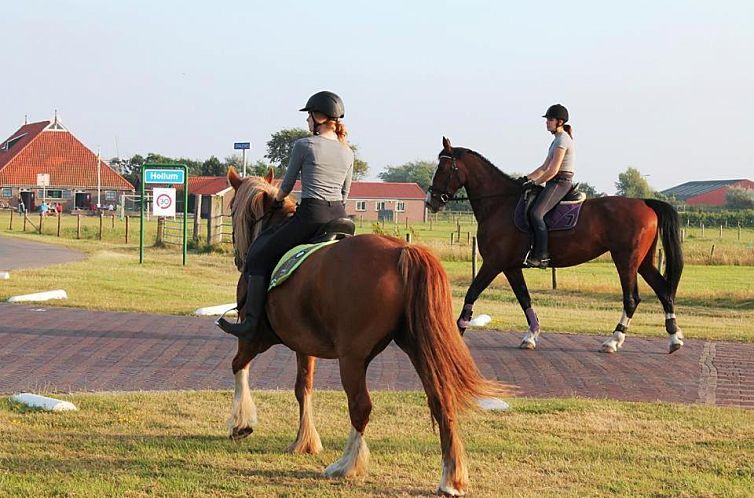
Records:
x=76, y=174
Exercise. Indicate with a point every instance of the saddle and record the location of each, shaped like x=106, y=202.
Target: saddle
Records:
x=331, y=233
x=563, y=216
x=337, y=229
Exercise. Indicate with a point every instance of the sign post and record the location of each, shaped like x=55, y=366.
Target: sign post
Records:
x=243, y=146
x=163, y=199
x=43, y=180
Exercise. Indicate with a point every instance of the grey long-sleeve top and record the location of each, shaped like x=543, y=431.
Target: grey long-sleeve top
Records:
x=326, y=168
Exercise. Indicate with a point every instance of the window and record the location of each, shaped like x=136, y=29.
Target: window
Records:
x=55, y=194
x=109, y=195
x=12, y=141
x=67, y=194
x=361, y=205
x=379, y=205
x=7, y=192
x=400, y=206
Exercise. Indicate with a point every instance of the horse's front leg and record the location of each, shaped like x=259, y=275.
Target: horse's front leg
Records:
x=243, y=411
x=518, y=284
x=307, y=440
x=483, y=279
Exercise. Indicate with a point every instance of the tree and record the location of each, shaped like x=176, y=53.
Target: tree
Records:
x=280, y=146
x=360, y=167
x=739, y=198
x=631, y=183
x=130, y=169
x=590, y=190
x=213, y=167
x=420, y=172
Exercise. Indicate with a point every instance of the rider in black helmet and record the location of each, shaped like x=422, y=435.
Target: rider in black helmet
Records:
x=325, y=164
x=557, y=171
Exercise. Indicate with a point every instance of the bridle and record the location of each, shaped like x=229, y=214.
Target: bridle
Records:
x=445, y=196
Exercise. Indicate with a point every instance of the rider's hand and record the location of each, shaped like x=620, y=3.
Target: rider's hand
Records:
x=528, y=184
x=522, y=179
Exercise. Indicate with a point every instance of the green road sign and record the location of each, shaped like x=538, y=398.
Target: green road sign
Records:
x=163, y=174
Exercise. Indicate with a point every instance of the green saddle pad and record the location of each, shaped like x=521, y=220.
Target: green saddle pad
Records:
x=292, y=260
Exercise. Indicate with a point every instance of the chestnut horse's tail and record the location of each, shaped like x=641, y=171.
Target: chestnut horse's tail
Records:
x=670, y=226
x=444, y=363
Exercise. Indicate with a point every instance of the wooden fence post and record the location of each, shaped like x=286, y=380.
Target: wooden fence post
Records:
x=408, y=237
x=739, y=230
x=26, y=216
x=10, y=226
x=197, y=216
x=127, y=224
x=451, y=237
x=100, y=225
x=160, y=230
x=659, y=259
x=78, y=226
x=721, y=232
x=112, y=225
x=60, y=215
x=474, y=256
x=41, y=219
x=702, y=230
x=554, y=280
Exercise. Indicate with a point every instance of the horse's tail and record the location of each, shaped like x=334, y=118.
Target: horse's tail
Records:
x=670, y=227
x=444, y=363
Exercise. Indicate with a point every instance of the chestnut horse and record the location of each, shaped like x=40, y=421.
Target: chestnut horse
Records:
x=627, y=228
x=349, y=301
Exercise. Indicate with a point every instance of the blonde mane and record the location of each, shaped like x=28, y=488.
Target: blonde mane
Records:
x=247, y=213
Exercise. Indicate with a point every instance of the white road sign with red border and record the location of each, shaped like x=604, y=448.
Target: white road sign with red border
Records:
x=163, y=202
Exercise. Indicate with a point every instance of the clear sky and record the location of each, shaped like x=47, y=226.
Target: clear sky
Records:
x=663, y=86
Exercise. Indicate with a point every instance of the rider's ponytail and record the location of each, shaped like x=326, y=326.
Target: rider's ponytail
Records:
x=567, y=128
x=341, y=130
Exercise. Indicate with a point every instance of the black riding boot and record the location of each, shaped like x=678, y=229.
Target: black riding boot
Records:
x=256, y=297
x=541, y=256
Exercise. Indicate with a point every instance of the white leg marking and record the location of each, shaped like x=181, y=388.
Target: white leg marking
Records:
x=669, y=316
x=676, y=341
x=446, y=486
x=614, y=342
x=624, y=319
x=354, y=460
x=307, y=440
x=243, y=411
x=530, y=339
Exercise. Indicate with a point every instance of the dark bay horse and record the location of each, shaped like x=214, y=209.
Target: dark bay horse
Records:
x=626, y=228
x=349, y=301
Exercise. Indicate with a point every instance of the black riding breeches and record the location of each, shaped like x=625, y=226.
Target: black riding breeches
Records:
x=275, y=241
x=554, y=191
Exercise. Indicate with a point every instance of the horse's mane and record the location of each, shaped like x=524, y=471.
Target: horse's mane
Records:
x=247, y=208
x=459, y=151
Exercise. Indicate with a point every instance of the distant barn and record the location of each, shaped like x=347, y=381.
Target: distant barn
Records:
x=709, y=193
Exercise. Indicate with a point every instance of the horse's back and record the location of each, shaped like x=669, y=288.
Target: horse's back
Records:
x=347, y=290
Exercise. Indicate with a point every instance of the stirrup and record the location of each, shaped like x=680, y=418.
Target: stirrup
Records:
x=533, y=262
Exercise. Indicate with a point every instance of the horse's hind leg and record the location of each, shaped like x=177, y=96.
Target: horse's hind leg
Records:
x=627, y=266
x=243, y=411
x=660, y=286
x=356, y=454
x=516, y=280
x=455, y=476
x=307, y=440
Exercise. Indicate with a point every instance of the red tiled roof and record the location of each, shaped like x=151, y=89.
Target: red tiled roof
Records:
x=207, y=185
x=376, y=190
x=69, y=162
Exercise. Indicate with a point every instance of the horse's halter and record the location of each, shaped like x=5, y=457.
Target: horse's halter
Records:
x=446, y=196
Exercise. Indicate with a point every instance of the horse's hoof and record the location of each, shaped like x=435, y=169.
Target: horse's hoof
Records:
x=608, y=348
x=528, y=345
x=449, y=491
x=675, y=347
x=240, y=433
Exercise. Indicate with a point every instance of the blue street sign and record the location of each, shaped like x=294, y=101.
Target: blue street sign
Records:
x=163, y=176
x=241, y=145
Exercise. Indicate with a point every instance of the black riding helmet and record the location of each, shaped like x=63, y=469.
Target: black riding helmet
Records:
x=557, y=111
x=327, y=103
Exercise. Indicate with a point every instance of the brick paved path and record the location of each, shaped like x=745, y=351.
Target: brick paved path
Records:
x=62, y=349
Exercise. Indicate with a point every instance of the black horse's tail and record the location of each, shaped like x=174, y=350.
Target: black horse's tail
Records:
x=670, y=229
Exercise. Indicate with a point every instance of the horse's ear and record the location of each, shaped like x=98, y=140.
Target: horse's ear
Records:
x=446, y=145
x=233, y=177
x=270, y=175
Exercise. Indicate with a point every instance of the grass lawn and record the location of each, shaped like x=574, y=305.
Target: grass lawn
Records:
x=174, y=444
